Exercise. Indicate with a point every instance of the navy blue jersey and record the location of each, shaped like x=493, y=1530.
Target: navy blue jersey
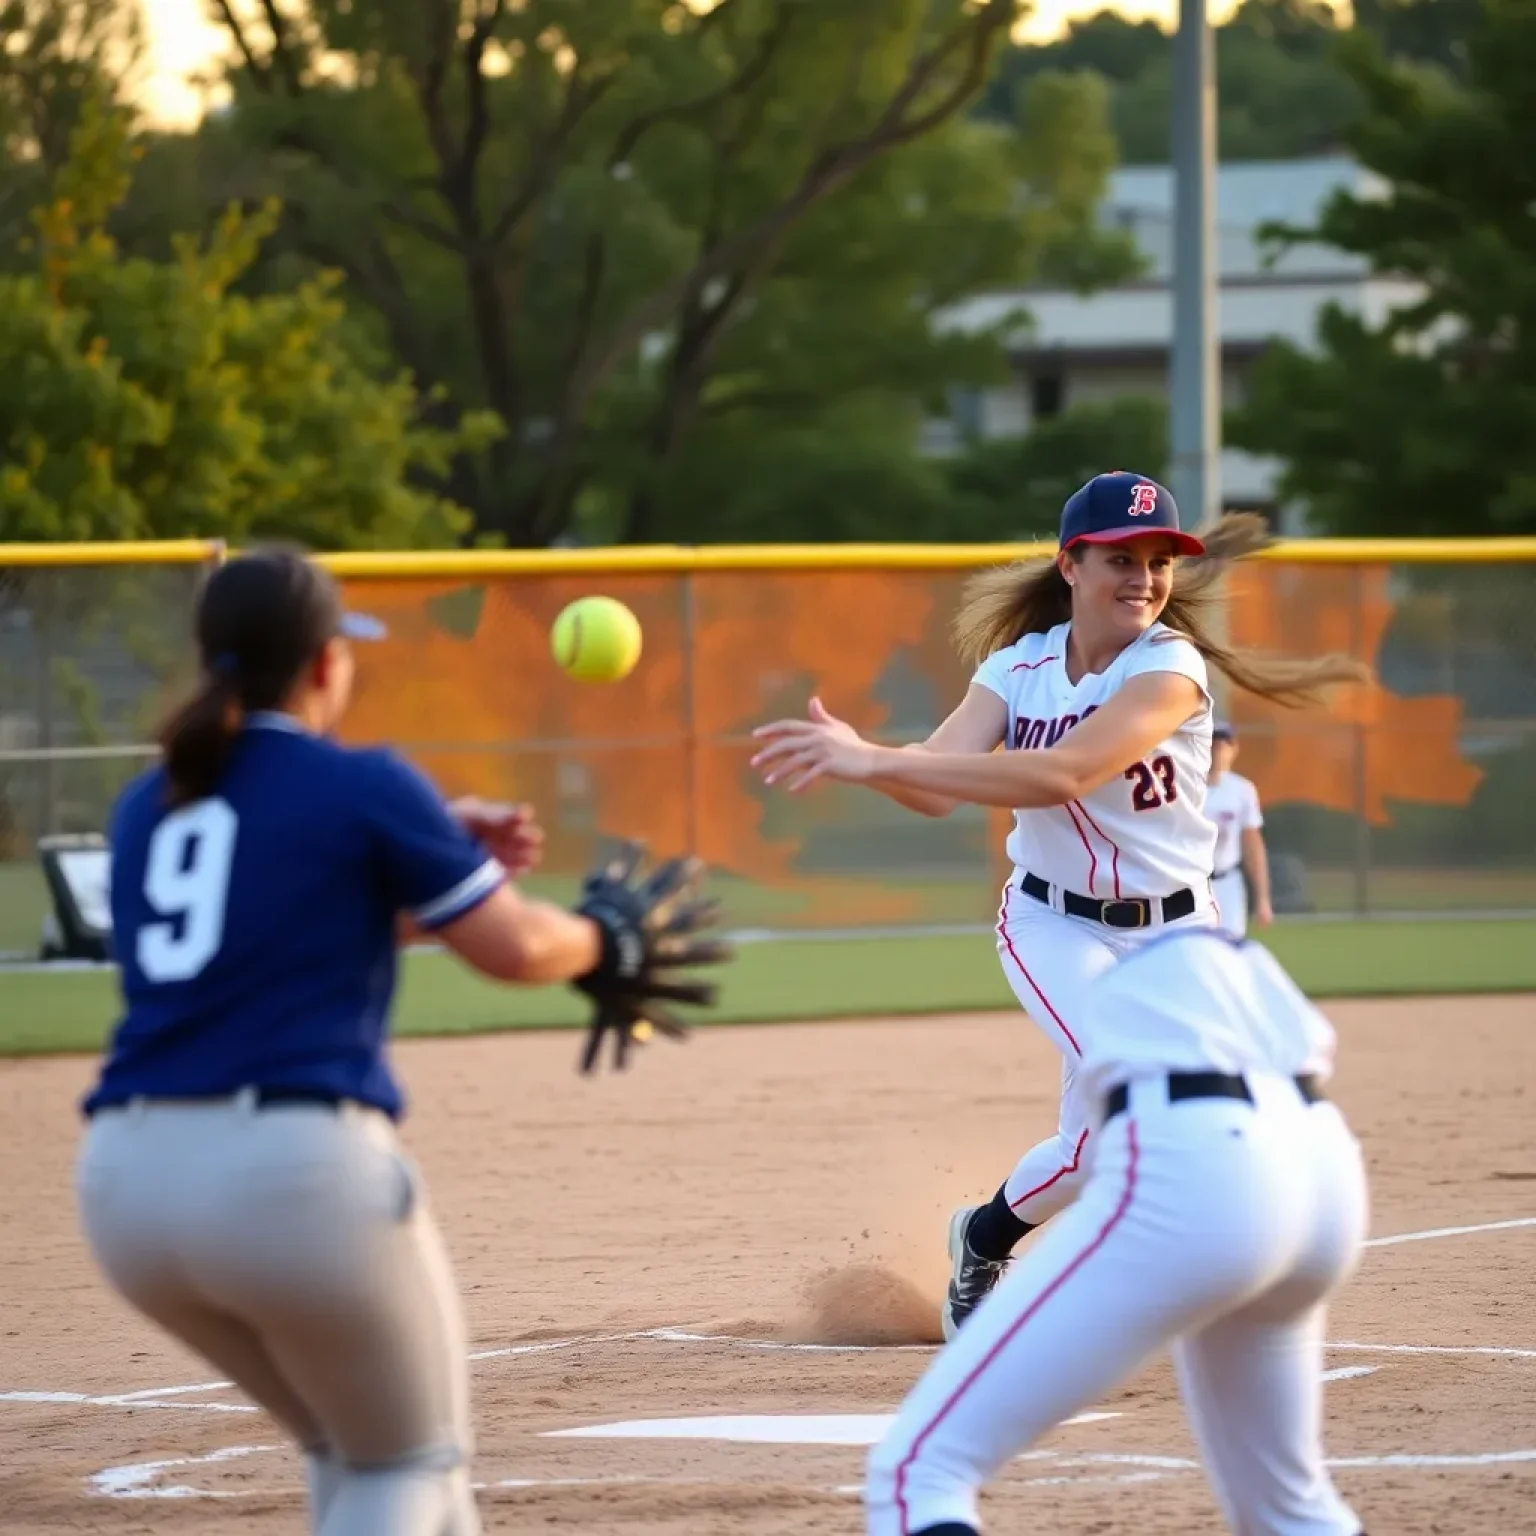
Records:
x=256, y=930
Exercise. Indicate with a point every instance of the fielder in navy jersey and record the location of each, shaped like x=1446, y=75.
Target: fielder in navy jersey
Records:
x=240, y=1181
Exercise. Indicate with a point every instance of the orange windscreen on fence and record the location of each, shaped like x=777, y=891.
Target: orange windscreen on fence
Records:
x=466, y=684
x=1371, y=747
x=1391, y=783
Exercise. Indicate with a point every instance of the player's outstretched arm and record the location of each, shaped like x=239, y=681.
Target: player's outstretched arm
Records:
x=510, y=937
x=633, y=945
x=1256, y=866
x=977, y=724
x=1145, y=711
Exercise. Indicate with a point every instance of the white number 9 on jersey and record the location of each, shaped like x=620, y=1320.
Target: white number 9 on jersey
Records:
x=186, y=881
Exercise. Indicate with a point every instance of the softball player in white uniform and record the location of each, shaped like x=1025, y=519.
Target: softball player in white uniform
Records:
x=1225, y=1202
x=1105, y=712
x=1232, y=803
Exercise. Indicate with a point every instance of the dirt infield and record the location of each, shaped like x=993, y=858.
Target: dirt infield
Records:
x=784, y=1187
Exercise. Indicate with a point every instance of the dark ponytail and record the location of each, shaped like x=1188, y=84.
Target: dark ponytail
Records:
x=261, y=619
x=198, y=736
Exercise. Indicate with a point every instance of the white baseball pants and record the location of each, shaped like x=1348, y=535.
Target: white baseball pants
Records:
x=1050, y=961
x=1231, y=892
x=1211, y=1224
x=293, y=1249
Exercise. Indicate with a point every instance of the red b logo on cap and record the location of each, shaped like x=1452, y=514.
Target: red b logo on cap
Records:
x=1143, y=499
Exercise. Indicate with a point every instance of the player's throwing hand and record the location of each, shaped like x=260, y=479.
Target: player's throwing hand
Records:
x=820, y=746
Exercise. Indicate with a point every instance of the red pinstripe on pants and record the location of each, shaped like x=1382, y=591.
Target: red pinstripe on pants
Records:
x=1013, y=954
x=1015, y=1328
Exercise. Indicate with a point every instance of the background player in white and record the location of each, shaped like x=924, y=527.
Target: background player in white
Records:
x=1225, y=1203
x=1232, y=803
x=1091, y=668
x=241, y=1183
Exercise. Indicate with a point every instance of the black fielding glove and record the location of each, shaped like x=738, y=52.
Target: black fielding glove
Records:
x=651, y=926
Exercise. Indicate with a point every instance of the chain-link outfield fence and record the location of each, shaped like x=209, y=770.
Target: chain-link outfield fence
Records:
x=93, y=641
x=1417, y=794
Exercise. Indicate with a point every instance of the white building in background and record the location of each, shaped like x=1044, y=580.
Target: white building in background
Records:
x=1116, y=342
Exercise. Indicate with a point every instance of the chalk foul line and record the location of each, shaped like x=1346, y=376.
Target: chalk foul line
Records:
x=144, y=1480
x=1435, y=1349
x=1434, y=1232
x=150, y=1399
x=141, y=1480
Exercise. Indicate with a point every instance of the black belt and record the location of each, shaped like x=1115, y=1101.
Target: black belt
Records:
x=1121, y=912
x=1209, y=1085
x=1221, y=874
x=266, y=1098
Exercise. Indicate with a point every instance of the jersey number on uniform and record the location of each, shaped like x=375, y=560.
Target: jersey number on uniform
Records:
x=1152, y=784
x=186, y=881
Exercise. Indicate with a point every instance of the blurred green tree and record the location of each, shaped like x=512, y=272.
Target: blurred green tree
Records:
x=1013, y=488
x=1419, y=421
x=56, y=56
x=143, y=399
x=1282, y=91
x=688, y=255
x=1283, y=88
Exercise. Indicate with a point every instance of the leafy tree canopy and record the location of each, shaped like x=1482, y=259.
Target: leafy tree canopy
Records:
x=645, y=233
x=1283, y=87
x=1419, y=422
x=145, y=399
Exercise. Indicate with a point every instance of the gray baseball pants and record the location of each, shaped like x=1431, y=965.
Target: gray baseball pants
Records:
x=291, y=1246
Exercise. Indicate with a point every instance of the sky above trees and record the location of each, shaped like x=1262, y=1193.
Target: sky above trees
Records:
x=182, y=41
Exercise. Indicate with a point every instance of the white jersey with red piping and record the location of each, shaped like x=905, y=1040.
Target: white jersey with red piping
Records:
x=1145, y=832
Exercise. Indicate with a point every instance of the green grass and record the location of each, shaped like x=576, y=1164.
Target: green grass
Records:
x=806, y=979
x=23, y=901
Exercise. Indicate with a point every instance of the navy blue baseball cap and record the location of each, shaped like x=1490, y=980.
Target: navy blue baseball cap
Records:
x=1118, y=506
x=269, y=610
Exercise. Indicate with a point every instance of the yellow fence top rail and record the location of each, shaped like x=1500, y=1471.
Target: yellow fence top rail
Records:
x=675, y=559
x=841, y=557
x=150, y=552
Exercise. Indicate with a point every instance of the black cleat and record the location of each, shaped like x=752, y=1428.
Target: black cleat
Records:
x=971, y=1278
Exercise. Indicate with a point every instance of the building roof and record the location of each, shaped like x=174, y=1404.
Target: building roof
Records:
x=1259, y=297
x=1249, y=194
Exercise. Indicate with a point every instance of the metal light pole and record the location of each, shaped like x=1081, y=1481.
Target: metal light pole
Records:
x=1195, y=379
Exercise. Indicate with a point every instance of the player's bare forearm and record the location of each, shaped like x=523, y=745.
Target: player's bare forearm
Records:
x=924, y=802
x=1011, y=781
x=797, y=751
x=976, y=725
x=512, y=938
x=1256, y=866
x=556, y=945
